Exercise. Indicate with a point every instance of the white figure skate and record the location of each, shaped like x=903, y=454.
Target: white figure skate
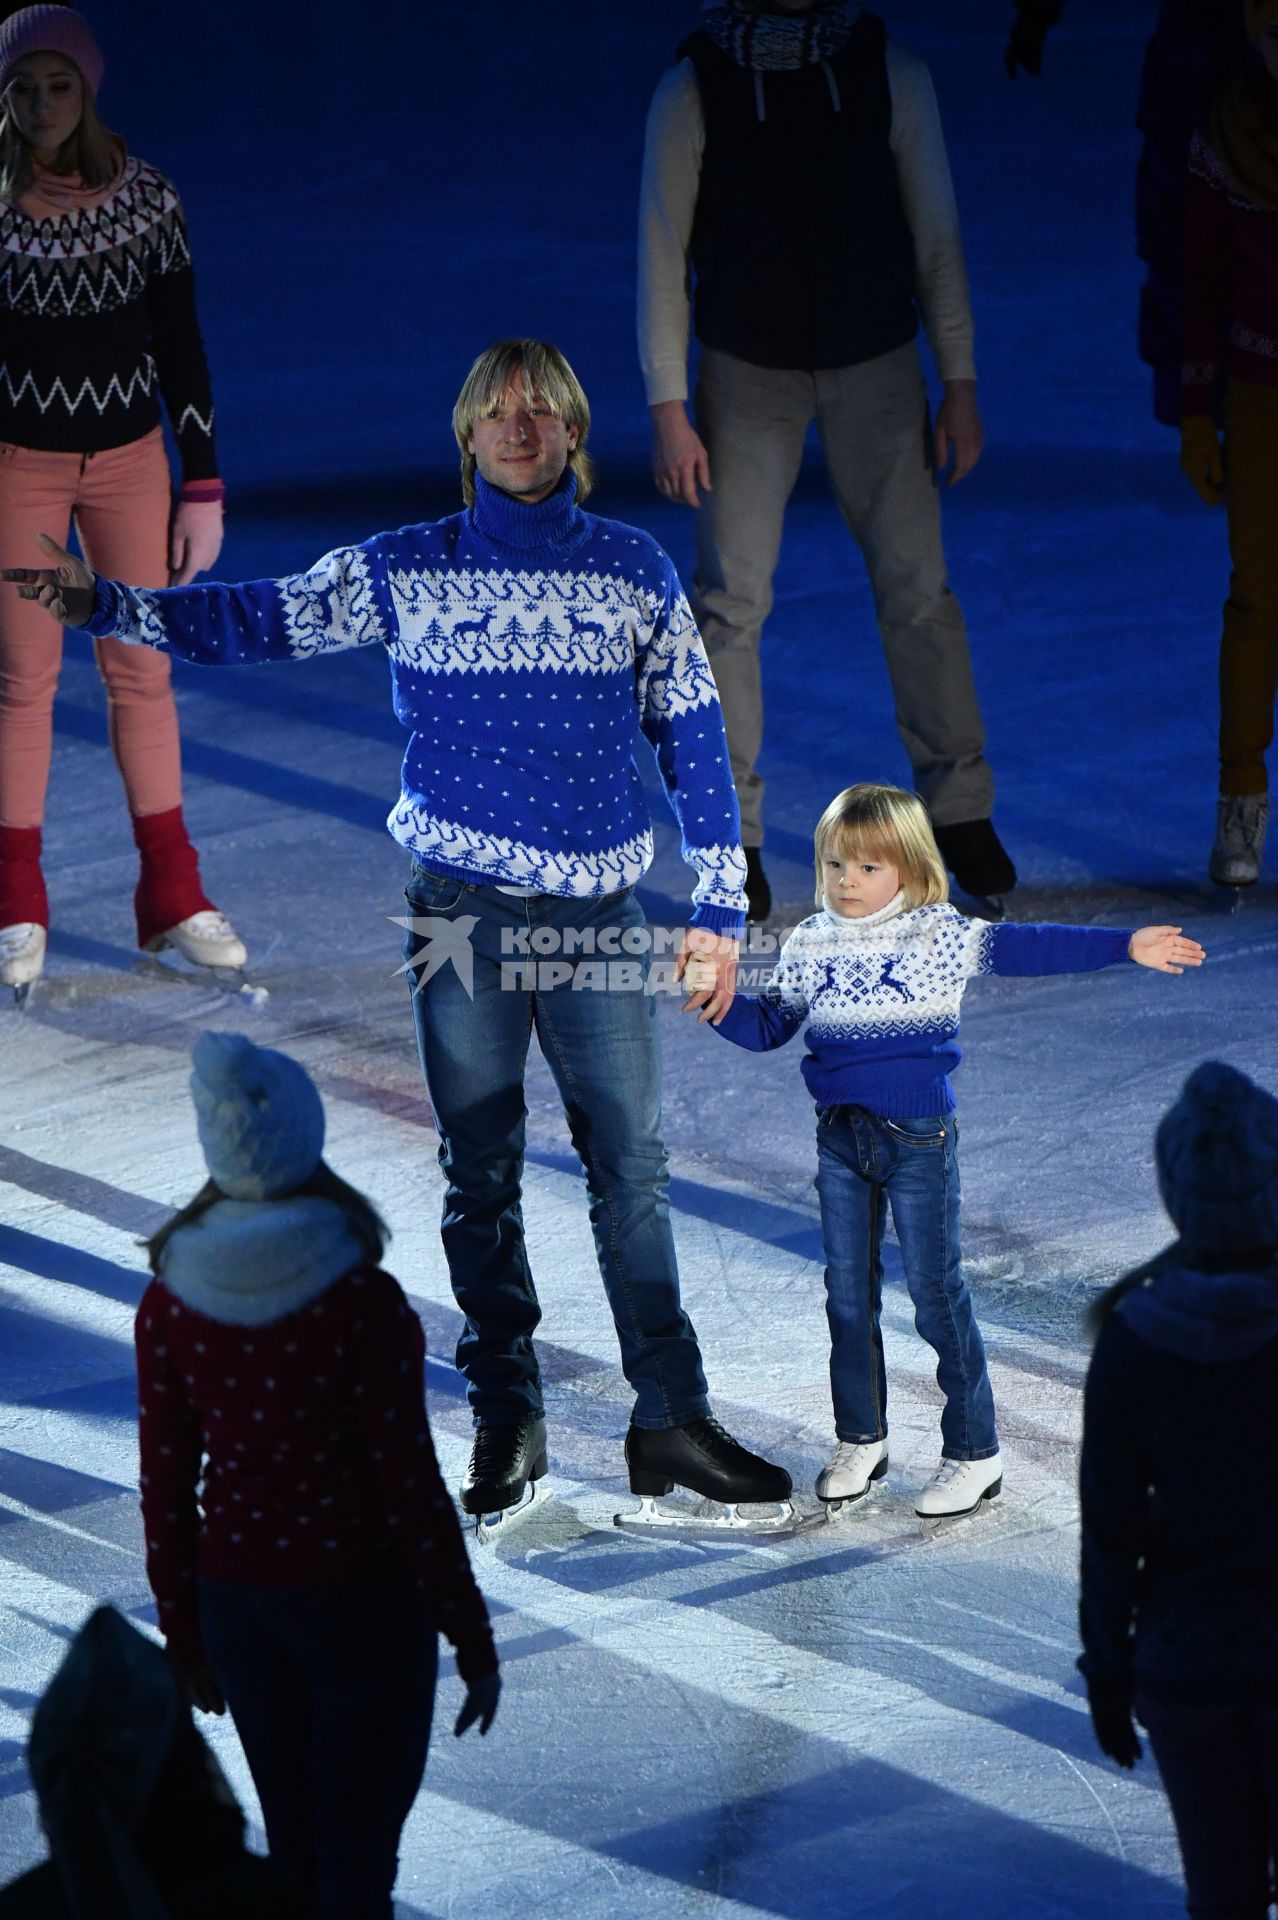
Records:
x=958, y=1489
x=21, y=958
x=851, y=1472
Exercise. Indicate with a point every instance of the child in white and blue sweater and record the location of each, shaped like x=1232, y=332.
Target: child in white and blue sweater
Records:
x=877, y=975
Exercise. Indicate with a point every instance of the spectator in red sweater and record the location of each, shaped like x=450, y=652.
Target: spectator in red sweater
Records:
x=1231, y=344
x=301, y=1545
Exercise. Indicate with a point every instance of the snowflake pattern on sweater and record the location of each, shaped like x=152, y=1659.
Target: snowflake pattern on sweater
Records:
x=527, y=645
x=881, y=997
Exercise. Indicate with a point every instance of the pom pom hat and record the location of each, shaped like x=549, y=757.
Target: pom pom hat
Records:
x=47, y=29
x=260, y=1117
x=1217, y=1156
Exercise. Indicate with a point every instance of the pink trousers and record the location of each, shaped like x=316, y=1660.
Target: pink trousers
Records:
x=120, y=503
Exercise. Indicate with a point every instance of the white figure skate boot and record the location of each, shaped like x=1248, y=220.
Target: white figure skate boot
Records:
x=851, y=1471
x=21, y=957
x=206, y=939
x=959, y=1486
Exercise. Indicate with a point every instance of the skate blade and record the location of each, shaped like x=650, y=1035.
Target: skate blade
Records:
x=831, y=1509
x=727, y=1521
x=231, y=981
x=492, y=1526
x=22, y=994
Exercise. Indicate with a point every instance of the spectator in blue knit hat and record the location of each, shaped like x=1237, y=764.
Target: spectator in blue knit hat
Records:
x=303, y=1550
x=1179, y=1605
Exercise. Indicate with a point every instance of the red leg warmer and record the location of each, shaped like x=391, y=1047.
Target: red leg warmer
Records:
x=169, y=888
x=22, y=894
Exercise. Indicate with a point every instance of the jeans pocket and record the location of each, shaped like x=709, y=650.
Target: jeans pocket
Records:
x=926, y=1132
x=429, y=892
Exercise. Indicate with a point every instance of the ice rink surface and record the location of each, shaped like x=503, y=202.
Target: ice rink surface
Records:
x=857, y=1720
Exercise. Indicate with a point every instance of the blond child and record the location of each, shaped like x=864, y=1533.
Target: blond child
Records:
x=878, y=975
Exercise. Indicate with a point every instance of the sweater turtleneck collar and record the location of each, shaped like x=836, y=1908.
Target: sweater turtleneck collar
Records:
x=865, y=922
x=552, y=522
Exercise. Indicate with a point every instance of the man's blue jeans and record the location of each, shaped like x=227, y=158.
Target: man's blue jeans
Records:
x=475, y=1011
x=866, y=1164
x=332, y=1694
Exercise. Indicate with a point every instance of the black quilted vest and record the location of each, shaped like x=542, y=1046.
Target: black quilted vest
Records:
x=801, y=249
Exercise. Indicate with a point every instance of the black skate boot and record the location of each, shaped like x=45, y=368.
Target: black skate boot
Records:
x=979, y=862
x=504, y=1458
x=704, y=1458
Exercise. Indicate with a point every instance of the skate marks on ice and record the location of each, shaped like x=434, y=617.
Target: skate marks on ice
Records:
x=738, y=1741
x=798, y=1733
x=234, y=982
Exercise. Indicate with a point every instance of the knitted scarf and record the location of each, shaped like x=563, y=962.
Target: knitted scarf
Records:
x=779, y=42
x=52, y=194
x=248, y=1263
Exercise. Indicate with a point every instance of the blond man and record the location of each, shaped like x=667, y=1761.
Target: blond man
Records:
x=528, y=642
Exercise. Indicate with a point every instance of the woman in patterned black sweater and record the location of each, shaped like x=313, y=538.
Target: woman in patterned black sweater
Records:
x=97, y=323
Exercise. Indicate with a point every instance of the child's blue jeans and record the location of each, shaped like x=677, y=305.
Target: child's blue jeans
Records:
x=866, y=1164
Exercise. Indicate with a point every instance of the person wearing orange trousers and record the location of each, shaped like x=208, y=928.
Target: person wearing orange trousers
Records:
x=97, y=323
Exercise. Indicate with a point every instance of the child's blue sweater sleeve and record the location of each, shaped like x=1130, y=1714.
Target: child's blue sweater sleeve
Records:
x=761, y=1023
x=1024, y=951
x=341, y=602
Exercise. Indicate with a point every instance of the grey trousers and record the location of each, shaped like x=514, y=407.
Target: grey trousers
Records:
x=876, y=431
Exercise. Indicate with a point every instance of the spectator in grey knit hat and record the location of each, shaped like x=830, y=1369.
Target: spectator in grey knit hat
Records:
x=303, y=1550
x=1179, y=1602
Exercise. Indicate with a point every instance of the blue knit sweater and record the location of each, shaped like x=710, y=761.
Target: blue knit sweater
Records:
x=526, y=645
x=881, y=996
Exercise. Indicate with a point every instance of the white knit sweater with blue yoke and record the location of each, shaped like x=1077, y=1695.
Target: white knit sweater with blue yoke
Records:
x=881, y=997
x=527, y=645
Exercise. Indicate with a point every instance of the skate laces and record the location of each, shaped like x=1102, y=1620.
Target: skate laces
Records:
x=714, y=1436
x=13, y=939
x=208, y=924
x=949, y=1470
x=492, y=1442
x=1244, y=822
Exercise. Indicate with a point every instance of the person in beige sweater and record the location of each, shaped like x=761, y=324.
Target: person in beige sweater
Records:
x=797, y=213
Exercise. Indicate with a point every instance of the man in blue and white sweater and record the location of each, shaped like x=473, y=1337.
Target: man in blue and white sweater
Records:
x=527, y=643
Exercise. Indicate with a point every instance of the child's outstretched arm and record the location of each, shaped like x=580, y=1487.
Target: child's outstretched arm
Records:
x=1165, y=949
x=1021, y=950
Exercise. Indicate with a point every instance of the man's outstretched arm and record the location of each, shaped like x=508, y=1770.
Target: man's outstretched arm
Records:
x=335, y=604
